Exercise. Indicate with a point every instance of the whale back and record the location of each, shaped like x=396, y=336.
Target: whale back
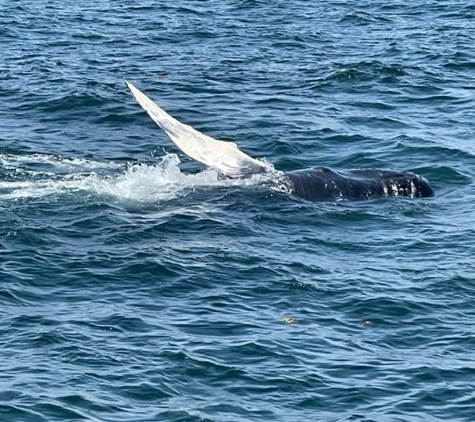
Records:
x=323, y=183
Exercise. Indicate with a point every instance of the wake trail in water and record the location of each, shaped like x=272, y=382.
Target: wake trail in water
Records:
x=42, y=175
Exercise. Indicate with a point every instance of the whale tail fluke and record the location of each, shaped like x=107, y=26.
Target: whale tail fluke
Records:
x=223, y=156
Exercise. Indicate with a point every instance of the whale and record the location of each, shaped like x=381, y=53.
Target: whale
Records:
x=316, y=183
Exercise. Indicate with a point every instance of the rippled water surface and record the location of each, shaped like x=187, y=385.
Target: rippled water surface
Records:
x=135, y=285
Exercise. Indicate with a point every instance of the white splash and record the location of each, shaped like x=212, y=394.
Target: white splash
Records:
x=137, y=182
x=149, y=183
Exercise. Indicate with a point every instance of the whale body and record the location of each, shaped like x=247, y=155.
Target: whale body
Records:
x=317, y=183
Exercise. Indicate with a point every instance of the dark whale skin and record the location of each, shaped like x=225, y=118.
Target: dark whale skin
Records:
x=320, y=183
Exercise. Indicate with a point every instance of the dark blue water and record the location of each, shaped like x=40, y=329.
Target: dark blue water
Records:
x=134, y=287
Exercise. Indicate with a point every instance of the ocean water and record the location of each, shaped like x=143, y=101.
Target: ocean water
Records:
x=136, y=285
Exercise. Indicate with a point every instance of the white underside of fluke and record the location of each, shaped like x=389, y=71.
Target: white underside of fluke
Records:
x=223, y=156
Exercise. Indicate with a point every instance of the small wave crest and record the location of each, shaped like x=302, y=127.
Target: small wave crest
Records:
x=38, y=163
